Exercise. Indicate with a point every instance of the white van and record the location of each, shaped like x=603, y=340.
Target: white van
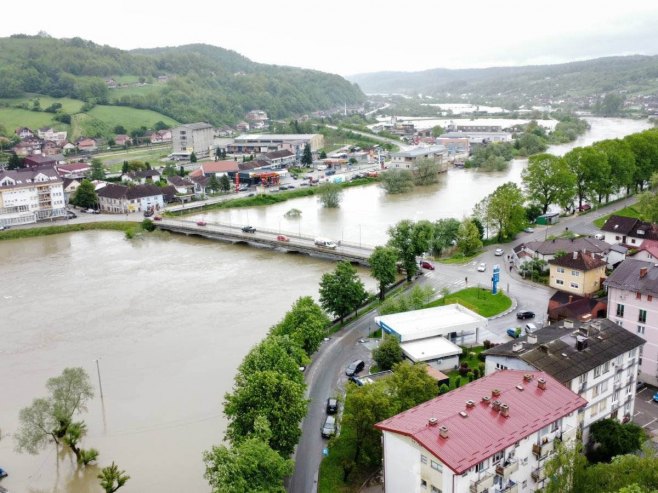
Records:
x=321, y=167
x=325, y=243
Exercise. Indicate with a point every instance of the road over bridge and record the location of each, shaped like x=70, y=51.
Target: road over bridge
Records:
x=355, y=253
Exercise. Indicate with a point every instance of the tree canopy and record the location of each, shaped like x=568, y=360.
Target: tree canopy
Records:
x=342, y=291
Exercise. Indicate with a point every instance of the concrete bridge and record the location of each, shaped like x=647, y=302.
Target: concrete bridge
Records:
x=354, y=253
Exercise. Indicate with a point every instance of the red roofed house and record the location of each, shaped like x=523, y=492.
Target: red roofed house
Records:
x=218, y=168
x=497, y=430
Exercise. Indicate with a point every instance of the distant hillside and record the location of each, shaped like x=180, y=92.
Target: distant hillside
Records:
x=626, y=75
x=186, y=83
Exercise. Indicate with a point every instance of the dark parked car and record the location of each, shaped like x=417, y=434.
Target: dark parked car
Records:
x=330, y=172
x=148, y=212
x=523, y=314
x=355, y=367
x=332, y=405
x=248, y=229
x=71, y=215
x=329, y=427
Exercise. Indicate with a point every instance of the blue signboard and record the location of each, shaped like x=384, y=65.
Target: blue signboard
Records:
x=495, y=279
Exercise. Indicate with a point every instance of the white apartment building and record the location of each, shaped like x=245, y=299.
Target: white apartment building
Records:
x=633, y=304
x=193, y=137
x=409, y=159
x=30, y=195
x=493, y=435
x=597, y=360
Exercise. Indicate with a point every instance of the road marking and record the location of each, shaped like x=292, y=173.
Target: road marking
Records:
x=650, y=422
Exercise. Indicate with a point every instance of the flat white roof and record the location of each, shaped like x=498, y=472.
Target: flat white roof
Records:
x=430, y=322
x=429, y=349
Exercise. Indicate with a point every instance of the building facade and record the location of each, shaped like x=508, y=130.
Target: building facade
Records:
x=193, y=137
x=120, y=199
x=579, y=273
x=633, y=304
x=28, y=196
x=409, y=159
x=494, y=434
x=262, y=143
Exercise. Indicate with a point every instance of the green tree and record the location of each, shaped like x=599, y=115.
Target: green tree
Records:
x=224, y=183
x=401, y=238
x=645, y=149
x=97, y=169
x=274, y=353
x=582, y=162
x=330, y=195
x=273, y=396
x=342, y=291
x=410, y=385
x=437, y=131
x=213, y=183
x=307, y=156
x=120, y=130
x=426, y=172
x=647, y=202
x=160, y=125
x=111, y=478
x=503, y=209
x=169, y=169
x=422, y=236
x=85, y=196
x=623, y=471
x=193, y=158
x=383, y=267
x=15, y=162
x=566, y=468
x=50, y=418
x=445, y=234
x=612, y=438
x=609, y=105
x=388, y=353
x=468, y=238
x=416, y=299
x=397, y=181
x=250, y=466
x=547, y=180
x=306, y=323
x=323, y=155
x=622, y=163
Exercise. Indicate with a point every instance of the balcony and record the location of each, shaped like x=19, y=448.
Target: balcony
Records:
x=485, y=482
x=511, y=487
x=507, y=468
x=542, y=450
x=569, y=435
x=538, y=474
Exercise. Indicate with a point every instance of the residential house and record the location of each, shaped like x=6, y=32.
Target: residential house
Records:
x=225, y=131
x=161, y=136
x=86, y=144
x=51, y=135
x=68, y=148
x=280, y=159
x=70, y=186
x=494, y=434
x=409, y=159
x=120, y=199
x=73, y=170
x=546, y=250
x=598, y=360
x=193, y=137
x=217, y=168
x=256, y=116
x=28, y=147
x=633, y=304
x=37, y=160
x=648, y=251
x=579, y=273
x=243, y=127
x=122, y=140
x=582, y=308
x=141, y=177
x=30, y=195
x=50, y=148
x=200, y=185
x=24, y=133
x=628, y=231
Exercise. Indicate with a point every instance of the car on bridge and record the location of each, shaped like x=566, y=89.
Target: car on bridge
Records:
x=248, y=229
x=201, y=223
x=282, y=238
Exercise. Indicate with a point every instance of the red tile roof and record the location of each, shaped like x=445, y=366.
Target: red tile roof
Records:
x=484, y=431
x=219, y=166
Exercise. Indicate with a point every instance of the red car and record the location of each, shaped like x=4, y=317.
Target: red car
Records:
x=282, y=238
x=427, y=265
x=201, y=223
x=157, y=218
x=584, y=207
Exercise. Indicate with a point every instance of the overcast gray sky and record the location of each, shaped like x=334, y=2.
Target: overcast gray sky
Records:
x=354, y=36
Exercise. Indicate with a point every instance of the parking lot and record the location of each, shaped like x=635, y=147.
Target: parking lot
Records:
x=646, y=411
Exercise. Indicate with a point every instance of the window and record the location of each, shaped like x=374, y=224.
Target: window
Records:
x=643, y=317
x=583, y=378
x=597, y=371
x=500, y=367
x=649, y=297
x=560, y=270
x=603, y=405
x=638, y=296
x=480, y=466
x=615, y=396
x=423, y=484
x=574, y=285
x=437, y=466
x=423, y=458
x=593, y=410
x=498, y=457
x=559, y=281
x=640, y=329
x=575, y=273
x=620, y=310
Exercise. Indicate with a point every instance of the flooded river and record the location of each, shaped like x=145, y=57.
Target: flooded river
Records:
x=170, y=318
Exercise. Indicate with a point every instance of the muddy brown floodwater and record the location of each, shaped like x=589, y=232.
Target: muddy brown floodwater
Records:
x=169, y=320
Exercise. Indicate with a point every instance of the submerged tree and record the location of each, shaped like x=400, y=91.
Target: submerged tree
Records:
x=111, y=478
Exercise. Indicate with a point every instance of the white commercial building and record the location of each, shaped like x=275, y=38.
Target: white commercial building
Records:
x=30, y=195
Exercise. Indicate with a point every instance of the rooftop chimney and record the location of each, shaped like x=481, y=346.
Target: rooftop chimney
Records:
x=470, y=403
x=496, y=405
x=575, y=255
x=486, y=399
x=541, y=383
x=527, y=377
x=504, y=410
x=495, y=392
x=443, y=432
x=432, y=421
x=643, y=272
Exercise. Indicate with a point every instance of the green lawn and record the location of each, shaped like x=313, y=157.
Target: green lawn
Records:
x=12, y=234
x=119, y=92
x=113, y=161
x=68, y=105
x=629, y=211
x=479, y=300
x=13, y=118
x=130, y=118
x=458, y=258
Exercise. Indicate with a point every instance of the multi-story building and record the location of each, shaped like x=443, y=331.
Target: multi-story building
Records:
x=579, y=273
x=633, y=304
x=596, y=359
x=193, y=137
x=120, y=199
x=28, y=196
x=494, y=434
x=262, y=143
x=409, y=159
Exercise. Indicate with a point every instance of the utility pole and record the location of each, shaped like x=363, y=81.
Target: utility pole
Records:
x=100, y=386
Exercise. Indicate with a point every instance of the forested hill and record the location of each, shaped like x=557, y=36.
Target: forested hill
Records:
x=628, y=75
x=188, y=83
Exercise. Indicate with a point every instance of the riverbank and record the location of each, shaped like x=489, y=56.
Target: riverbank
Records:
x=13, y=234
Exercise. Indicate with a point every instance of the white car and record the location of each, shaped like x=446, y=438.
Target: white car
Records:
x=498, y=252
x=482, y=267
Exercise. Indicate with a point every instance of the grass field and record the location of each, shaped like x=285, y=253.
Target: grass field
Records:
x=13, y=118
x=629, y=211
x=134, y=91
x=68, y=105
x=12, y=234
x=130, y=118
x=477, y=299
x=113, y=161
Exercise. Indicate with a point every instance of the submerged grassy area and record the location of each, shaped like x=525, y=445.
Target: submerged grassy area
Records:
x=13, y=234
x=479, y=300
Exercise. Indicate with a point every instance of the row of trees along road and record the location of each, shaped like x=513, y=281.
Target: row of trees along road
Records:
x=266, y=406
x=50, y=420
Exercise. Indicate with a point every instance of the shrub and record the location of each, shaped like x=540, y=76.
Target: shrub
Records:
x=481, y=368
x=481, y=356
x=458, y=382
x=476, y=373
x=486, y=344
x=463, y=370
x=443, y=389
x=470, y=376
x=148, y=225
